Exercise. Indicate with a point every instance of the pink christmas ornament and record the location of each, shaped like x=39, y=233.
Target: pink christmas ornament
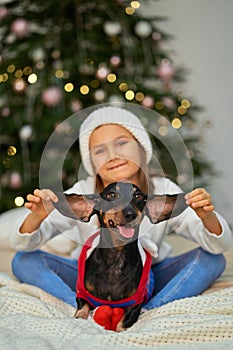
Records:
x=166, y=70
x=115, y=61
x=75, y=105
x=102, y=72
x=169, y=102
x=6, y=112
x=51, y=96
x=148, y=101
x=3, y=12
x=15, y=180
x=20, y=27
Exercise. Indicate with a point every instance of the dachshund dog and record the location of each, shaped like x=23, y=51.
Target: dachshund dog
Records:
x=113, y=272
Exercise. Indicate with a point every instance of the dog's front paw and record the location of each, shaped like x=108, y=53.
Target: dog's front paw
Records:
x=120, y=328
x=82, y=313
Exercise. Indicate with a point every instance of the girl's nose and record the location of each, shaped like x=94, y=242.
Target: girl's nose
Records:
x=112, y=154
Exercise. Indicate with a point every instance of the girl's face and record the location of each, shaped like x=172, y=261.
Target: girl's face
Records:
x=115, y=154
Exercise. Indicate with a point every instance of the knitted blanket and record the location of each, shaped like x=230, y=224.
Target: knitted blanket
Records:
x=32, y=319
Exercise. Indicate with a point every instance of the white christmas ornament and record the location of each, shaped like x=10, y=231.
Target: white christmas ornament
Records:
x=99, y=95
x=25, y=132
x=112, y=28
x=38, y=54
x=148, y=101
x=143, y=29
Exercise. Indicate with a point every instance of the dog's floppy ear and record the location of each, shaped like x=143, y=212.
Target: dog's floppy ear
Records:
x=75, y=206
x=163, y=207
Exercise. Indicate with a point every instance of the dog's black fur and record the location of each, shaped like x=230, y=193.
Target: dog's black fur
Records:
x=114, y=268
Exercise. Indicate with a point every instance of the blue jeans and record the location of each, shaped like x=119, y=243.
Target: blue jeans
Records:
x=176, y=277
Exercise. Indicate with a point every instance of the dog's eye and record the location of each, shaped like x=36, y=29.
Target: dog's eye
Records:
x=139, y=197
x=111, y=196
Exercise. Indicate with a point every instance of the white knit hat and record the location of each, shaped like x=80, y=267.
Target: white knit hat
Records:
x=111, y=115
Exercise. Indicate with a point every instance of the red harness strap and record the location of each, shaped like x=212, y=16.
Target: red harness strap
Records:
x=140, y=296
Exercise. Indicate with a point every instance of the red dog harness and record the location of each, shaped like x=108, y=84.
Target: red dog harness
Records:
x=142, y=294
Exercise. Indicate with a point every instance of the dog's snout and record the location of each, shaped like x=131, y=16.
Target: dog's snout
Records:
x=129, y=213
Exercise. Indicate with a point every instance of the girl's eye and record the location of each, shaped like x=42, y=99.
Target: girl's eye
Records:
x=98, y=151
x=122, y=142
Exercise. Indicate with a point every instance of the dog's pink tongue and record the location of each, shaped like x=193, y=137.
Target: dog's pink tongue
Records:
x=126, y=232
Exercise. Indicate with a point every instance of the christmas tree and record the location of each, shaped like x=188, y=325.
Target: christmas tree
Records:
x=58, y=58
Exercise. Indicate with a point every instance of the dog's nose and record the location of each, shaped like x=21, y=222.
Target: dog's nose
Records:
x=129, y=213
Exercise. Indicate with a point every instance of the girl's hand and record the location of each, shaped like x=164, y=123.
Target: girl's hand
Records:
x=40, y=202
x=200, y=201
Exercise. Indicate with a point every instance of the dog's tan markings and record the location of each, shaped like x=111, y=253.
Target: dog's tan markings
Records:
x=83, y=312
x=90, y=287
x=133, y=292
x=120, y=327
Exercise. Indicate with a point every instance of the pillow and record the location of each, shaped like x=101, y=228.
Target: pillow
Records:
x=6, y=220
x=60, y=244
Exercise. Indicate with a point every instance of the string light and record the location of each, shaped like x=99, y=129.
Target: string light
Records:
x=32, y=79
x=11, y=151
x=6, y=163
x=19, y=201
x=123, y=87
x=139, y=96
x=27, y=70
x=129, y=11
x=111, y=78
x=185, y=103
x=3, y=77
x=163, y=130
x=176, y=123
x=19, y=73
x=159, y=105
x=84, y=89
x=182, y=110
x=95, y=83
x=129, y=95
x=59, y=74
x=69, y=87
x=135, y=4
x=11, y=68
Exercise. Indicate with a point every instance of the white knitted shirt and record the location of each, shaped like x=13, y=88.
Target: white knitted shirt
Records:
x=153, y=237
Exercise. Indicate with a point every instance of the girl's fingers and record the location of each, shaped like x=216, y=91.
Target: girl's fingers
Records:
x=199, y=199
x=46, y=195
x=209, y=208
x=28, y=205
x=32, y=198
x=49, y=195
x=201, y=204
x=197, y=196
x=206, y=205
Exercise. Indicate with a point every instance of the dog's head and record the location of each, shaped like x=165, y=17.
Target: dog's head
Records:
x=121, y=207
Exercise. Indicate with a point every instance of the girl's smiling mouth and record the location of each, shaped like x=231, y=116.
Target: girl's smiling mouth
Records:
x=117, y=166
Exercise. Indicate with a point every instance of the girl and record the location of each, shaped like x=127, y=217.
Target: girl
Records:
x=114, y=147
